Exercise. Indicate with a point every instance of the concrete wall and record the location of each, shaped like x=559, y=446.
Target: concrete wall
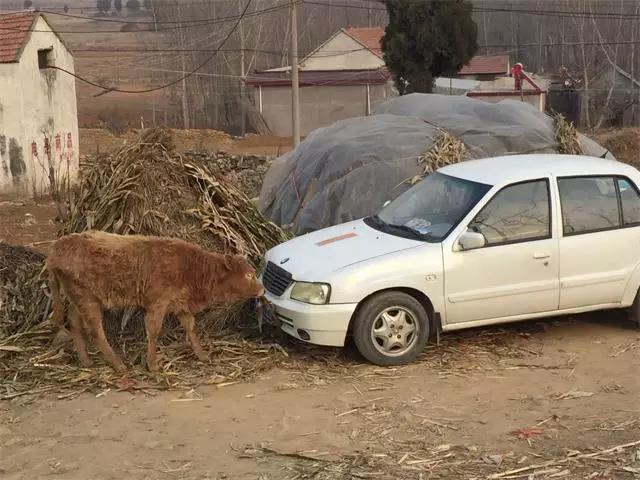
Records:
x=356, y=57
x=319, y=105
x=38, y=120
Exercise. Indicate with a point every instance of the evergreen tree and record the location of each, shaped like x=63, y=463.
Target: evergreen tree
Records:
x=427, y=39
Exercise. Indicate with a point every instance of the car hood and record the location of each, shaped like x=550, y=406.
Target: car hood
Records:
x=313, y=257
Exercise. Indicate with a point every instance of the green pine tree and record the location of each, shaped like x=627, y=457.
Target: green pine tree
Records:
x=427, y=39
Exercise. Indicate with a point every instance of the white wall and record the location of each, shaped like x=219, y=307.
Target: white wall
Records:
x=355, y=58
x=319, y=105
x=36, y=105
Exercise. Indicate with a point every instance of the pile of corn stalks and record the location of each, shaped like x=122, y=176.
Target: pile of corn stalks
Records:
x=566, y=136
x=147, y=188
x=446, y=150
x=23, y=302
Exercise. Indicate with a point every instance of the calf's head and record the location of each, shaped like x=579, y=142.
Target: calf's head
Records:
x=241, y=282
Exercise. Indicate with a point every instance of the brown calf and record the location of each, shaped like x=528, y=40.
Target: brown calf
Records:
x=100, y=271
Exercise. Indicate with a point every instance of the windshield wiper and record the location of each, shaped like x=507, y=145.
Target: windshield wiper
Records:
x=412, y=231
x=378, y=221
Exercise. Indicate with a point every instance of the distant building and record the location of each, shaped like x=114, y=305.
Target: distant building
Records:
x=342, y=78
x=346, y=77
x=38, y=111
x=486, y=68
x=520, y=86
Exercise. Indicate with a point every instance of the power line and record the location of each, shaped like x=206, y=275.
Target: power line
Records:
x=555, y=13
x=331, y=53
x=159, y=22
x=255, y=13
x=174, y=82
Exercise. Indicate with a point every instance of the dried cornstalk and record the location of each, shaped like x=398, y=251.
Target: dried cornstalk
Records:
x=566, y=136
x=446, y=150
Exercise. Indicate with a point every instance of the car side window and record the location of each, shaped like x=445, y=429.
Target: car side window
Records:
x=517, y=213
x=630, y=200
x=589, y=204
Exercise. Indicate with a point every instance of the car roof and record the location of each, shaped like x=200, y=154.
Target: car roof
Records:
x=515, y=168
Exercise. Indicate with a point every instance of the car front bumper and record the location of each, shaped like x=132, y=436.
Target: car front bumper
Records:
x=317, y=324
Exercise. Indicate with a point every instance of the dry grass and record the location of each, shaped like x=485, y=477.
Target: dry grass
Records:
x=414, y=459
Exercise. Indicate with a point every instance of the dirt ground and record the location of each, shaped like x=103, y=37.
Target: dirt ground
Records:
x=478, y=407
x=541, y=391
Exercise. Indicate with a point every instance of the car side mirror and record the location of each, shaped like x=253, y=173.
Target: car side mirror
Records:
x=471, y=240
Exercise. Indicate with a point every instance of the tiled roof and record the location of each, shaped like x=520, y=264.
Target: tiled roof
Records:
x=320, y=77
x=486, y=65
x=369, y=37
x=14, y=31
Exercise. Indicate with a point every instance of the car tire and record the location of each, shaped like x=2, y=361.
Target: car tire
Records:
x=391, y=328
x=634, y=311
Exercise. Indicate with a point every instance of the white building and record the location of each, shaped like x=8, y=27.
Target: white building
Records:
x=344, y=77
x=38, y=110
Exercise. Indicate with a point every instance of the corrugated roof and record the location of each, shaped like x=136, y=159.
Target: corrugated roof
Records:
x=320, y=77
x=369, y=37
x=14, y=32
x=486, y=65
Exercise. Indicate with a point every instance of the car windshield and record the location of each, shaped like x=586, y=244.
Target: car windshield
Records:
x=431, y=209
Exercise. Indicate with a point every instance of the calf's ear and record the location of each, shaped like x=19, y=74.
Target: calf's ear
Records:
x=233, y=262
x=228, y=262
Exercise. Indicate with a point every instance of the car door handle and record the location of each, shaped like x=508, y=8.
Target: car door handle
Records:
x=541, y=256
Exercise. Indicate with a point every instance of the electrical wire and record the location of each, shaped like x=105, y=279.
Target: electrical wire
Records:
x=170, y=84
x=151, y=29
x=556, y=13
x=158, y=22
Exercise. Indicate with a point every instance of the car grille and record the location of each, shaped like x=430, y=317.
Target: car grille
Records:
x=275, y=279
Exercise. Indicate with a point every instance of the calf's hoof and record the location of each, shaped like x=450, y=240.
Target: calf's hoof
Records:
x=85, y=361
x=202, y=356
x=120, y=367
x=62, y=336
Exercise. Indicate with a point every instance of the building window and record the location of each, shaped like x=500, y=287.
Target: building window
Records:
x=45, y=58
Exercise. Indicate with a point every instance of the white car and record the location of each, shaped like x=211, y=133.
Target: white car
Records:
x=477, y=243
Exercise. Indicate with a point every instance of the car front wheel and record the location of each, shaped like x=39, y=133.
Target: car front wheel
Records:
x=391, y=328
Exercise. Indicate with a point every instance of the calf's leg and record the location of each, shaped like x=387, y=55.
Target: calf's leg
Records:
x=77, y=334
x=188, y=321
x=153, y=319
x=92, y=313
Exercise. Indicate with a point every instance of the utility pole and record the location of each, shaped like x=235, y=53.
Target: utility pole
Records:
x=243, y=113
x=185, y=103
x=295, y=84
x=369, y=14
x=155, y=27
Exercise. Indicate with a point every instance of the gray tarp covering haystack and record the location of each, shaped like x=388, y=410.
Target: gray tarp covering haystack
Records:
x=349, y=169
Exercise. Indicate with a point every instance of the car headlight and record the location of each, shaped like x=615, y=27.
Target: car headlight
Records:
x=314, y=293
